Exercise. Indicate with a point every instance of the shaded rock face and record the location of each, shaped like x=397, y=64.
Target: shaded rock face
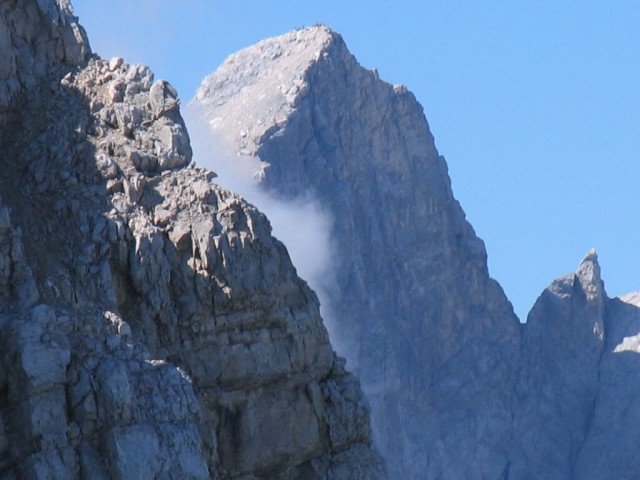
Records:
x=577, y=390
x=36, y=36
x=458, y=388
x=606, y=451
x=150, y=325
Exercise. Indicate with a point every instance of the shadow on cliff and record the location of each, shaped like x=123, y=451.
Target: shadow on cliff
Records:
x=621, y=357
x=57, y=194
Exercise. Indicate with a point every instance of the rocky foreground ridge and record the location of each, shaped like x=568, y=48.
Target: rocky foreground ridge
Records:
x=458, y=387
x=150, y=325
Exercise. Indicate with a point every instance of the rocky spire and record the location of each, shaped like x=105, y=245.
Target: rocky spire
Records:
x=563, y=344
x=589, y=274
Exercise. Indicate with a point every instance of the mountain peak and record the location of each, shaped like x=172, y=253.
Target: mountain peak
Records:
x=590, y=277
x=259, y=86
x=273, y=61
x=414, y=287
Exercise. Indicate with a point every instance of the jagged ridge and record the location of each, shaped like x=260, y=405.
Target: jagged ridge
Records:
x=152, y=327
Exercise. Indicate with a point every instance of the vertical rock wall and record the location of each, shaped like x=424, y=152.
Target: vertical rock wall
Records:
x=562, y=347
x=36, y=36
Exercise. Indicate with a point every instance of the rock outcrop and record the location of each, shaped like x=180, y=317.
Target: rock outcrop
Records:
x=562, y=346
x=151, y=326
x=577, y=389
x=36, y=36
x=459, y=389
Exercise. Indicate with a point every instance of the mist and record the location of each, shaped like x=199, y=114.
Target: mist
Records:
x=302, y=224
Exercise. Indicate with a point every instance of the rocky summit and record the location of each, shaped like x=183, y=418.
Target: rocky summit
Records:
x=459, y=389
x=150, y=324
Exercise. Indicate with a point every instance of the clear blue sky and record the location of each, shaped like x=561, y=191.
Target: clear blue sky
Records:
x=535, y=105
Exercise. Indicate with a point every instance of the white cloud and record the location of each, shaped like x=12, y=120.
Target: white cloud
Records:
x=301, y=224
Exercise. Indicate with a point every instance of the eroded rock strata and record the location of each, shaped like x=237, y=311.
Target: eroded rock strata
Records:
x=150, y=325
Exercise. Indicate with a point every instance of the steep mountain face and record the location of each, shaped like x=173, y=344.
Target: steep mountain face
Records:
x=151, y=326
x=458, y=388
x=430, y=334
x=34, y=38
x=578, y=388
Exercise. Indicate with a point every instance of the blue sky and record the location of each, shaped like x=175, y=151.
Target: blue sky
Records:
x=535, y=108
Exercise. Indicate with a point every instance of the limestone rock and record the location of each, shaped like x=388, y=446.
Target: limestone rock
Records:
x=605, y=452
x=431, y=336
x=36, y=36
x=562, y=346
x=458, y=388
x=151, y=326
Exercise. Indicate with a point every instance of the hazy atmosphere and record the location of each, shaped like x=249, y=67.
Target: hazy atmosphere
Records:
x=301, y=223
x=537, y=110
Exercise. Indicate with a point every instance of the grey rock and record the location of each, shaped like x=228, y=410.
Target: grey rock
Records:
x=458, y=388
x=150, y=325
x=36, y=36
x=609, y=439
x=562, y=347
x=163, y=98
x=428, y=332
x=135, y=452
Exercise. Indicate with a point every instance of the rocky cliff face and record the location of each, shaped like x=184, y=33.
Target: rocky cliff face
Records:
x=36, y=36
x=609, y=441
x=432, y=337
x=459, y=389
x=151, y=326
x=576, y=393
